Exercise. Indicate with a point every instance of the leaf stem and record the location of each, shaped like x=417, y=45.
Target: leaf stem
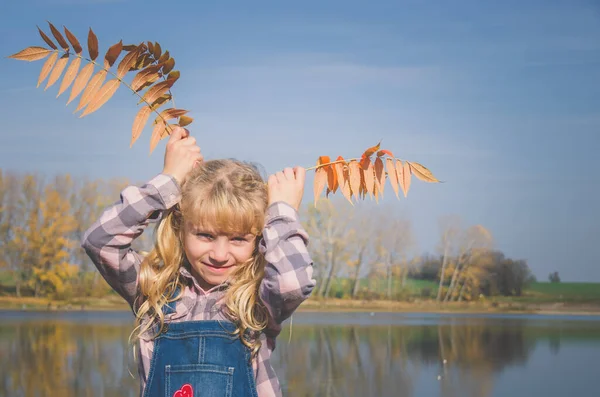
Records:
x=339, y=161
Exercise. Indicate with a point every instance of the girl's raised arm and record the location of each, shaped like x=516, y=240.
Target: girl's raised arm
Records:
x=288, y=277
x=108, y=241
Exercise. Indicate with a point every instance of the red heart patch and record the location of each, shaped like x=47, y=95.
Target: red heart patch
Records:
x=185, y=391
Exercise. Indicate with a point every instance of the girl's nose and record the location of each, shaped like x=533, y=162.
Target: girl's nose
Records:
x=220, y=251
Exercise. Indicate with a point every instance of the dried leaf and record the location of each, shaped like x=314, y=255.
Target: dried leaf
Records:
x=138, y=123
x=354, y=177
x=143, y=61
x=130, y=47
x=70, y=75
x=144, y=76
x=156, y=51
x=346, y=191
x=92, y=45
x=168, y=66
x=73, y=40
x=59, y=37
x=174, y=75
x=379, y=176
x=91, y=89
x=384, y=152
x=320, y=182
x=57, y=71
x=48, y=65
x=368, y=175
x=157, y=135
x=422, y=172
x=157, y=90
x=171, y=113
x=362, y=191
x=127, y=62
x=163, y=58
x=185, y=120
x=112, y=54
x=31, y=54
x=371, y=150
x=47, y=39
x=160, y=101
x=393, y=177
x=323, y=160
x=151, y=47
x=103, y=95
x=81, y=81
x=332, y=181
x=403, y=173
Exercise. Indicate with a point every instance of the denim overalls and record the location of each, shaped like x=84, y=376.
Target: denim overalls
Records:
x=200, y=359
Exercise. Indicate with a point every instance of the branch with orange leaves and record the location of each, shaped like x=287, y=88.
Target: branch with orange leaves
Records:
x=146, y=59
x=358, y=177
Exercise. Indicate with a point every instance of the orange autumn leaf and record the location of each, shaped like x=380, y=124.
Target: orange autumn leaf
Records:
x=91, y=89
x=392, y=175
x=81, y=81
x=69, y=76
x=92, y=45
x=422, y=172
x=103, y=95
x=31, y=54
x=354, y=177
x=59, y=37
x=73, y=40
x=371, y=150
x=320, y=182
x=403, y=173
x=112, y=54
x=47, y=39
x=332, y=181
x=57, y=71
x=379, y=176
x=157, y=135
x=185, y=120
x=47, y=67
x=368, y=176
x=384, y=152
x=139, y=122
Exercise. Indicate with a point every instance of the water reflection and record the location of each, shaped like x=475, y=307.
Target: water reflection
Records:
x=71, y=357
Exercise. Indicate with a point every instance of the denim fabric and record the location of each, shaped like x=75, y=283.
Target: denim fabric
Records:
x=200, y=359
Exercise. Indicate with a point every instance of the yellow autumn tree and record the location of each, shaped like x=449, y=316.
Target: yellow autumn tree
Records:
x=54, y=270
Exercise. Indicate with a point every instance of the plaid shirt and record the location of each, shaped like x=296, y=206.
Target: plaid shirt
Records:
x=287, y=282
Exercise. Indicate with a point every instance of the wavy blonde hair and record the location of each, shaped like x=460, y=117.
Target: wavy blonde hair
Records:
x=228, y=196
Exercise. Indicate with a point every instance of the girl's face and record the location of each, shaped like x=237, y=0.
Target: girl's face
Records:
x=214, y=256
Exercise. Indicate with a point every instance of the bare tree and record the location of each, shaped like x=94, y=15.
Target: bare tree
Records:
x=450, y=228
x=329, y=224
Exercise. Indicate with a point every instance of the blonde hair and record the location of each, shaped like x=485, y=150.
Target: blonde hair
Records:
x=227, y=196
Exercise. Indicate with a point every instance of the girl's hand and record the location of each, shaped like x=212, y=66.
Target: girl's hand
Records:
x=181, y=154
x=287, y=186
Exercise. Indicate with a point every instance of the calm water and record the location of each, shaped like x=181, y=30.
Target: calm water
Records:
x=86, y=354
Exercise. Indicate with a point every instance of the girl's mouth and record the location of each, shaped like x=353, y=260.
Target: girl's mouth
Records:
x=217, y=268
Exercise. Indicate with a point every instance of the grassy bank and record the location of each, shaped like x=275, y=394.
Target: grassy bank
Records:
x=324, y=305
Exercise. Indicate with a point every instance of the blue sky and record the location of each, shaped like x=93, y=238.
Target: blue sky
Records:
x=499, y=99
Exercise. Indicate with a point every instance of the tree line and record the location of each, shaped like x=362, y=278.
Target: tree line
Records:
x=359, y=253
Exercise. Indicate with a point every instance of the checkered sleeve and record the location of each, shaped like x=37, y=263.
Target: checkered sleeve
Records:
x=108, y=241
x=288, y=279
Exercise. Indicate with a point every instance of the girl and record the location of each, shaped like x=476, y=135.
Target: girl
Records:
x=229, y=265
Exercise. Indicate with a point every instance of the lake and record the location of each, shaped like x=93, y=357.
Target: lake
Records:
x=327, y=354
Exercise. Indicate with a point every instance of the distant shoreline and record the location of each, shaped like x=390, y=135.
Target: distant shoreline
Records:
x=334, y=305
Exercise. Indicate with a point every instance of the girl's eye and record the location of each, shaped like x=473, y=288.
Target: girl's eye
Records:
x=204, y=236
